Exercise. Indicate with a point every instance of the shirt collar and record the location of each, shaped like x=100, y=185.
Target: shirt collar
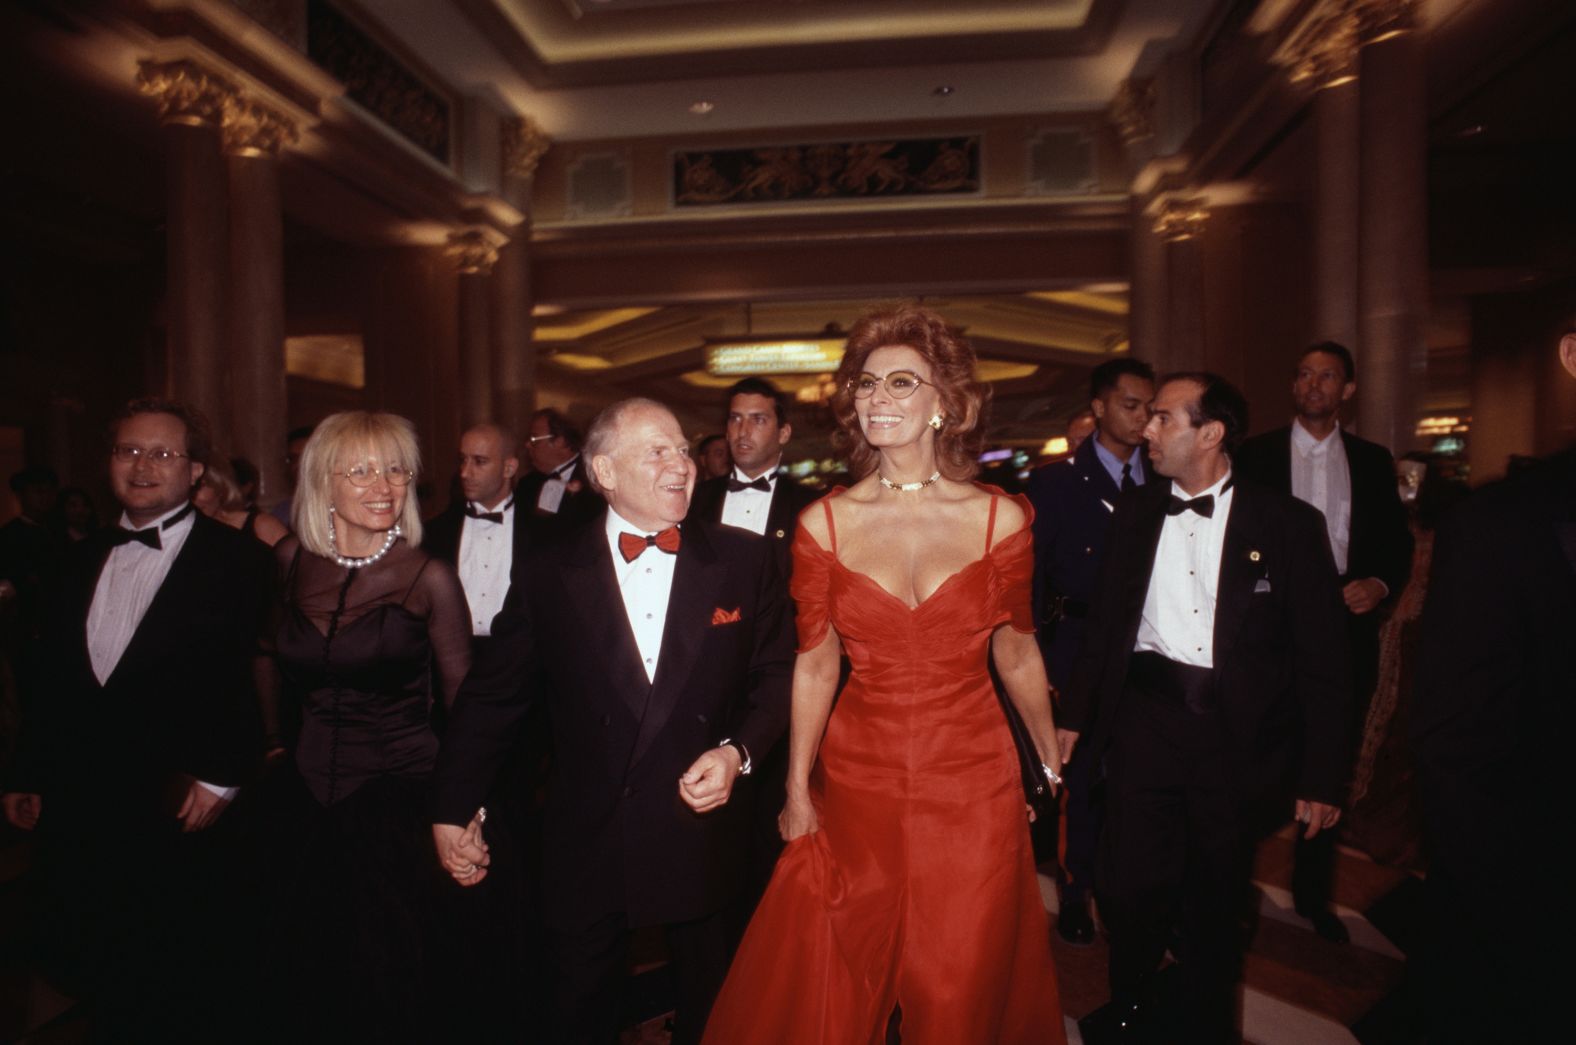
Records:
x=125, y=520
x=563, y=470
x=770, y=475
x=1305, y=441
x=617, y=524
x=1217, y=490
x=1113, y=463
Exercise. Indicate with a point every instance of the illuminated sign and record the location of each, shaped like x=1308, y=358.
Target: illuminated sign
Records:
x=808, y=356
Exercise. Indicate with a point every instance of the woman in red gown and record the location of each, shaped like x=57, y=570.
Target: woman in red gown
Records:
x=908, y=879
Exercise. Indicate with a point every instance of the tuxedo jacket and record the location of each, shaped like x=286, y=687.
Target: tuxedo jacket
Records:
x=782, y=518
x=1380, y=543
x=578, y=507
x=1073, y=503
x=441, y=534
x=1280, y=652
x=617, y=836
x=181, y=702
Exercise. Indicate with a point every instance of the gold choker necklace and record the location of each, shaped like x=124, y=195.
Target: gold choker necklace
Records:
x=908, y=487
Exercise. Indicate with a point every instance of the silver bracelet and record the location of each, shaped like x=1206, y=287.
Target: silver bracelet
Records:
x=1050, y=774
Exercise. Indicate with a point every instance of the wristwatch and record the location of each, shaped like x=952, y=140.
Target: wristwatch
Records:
x=744, y=754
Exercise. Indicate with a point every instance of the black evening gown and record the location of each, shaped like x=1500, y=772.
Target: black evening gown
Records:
x=365, y=914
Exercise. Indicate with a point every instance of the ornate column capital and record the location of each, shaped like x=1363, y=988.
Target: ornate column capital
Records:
x=524, y=145
x=474, y=252
x=1381, y=19
x=1324, y=50
x=254, y=129
x=187, y=93
x=1133, y=109
x=1181, y=218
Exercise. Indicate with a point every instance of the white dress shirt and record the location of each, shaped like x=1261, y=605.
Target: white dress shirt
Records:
x=552, y=492
x=748, y=509
x=1321, y=476
x=486, y=557
x=131, y=577
x=645, y=584
x=1179, y=609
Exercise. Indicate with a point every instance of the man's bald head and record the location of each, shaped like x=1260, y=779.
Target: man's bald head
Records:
x=487, y=464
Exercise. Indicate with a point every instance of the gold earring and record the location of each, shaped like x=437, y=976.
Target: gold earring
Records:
x=936, y=421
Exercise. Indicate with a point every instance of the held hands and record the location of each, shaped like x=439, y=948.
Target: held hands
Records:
x=22, y=809
x=200, y=808
x=462, y=851
x=797, y=818
x=1317, y=815
x=708, y=783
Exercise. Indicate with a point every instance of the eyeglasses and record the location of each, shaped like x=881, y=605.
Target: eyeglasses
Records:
x=534, y=439
x=125, y=453
x=362, y=475
x=900, y=384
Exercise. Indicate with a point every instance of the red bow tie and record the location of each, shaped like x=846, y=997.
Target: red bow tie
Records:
x=630, y=545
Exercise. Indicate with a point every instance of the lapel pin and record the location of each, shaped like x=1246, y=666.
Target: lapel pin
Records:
x=780, y=534
x=1253, y=556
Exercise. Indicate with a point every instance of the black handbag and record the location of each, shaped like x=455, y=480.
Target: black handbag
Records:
x=1036, y=788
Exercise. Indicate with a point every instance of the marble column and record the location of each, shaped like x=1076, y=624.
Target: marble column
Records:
x=513, y=356
x=191, y=108
x=1393, y=273
x=1149, y=299
x=259, y=411
x=474, y=255
x=1336, y=210
x=1180, y=226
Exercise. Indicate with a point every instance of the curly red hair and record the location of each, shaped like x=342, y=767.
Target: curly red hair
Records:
x=963, y=399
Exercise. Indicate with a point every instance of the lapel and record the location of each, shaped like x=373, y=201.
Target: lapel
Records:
x=1278, y=474
x=1150, y=511
x=780, y=516
x=697, y=578
x=1239, y=572
x=593, y=594
x=171, y=603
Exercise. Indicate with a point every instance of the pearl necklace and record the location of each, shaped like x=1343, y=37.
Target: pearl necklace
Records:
x=908, y=487
x=355, y=564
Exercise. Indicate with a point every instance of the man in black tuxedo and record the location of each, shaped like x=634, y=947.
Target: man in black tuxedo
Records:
x=1073, y=501
x=484, y=535
x=754, y=495
x=147, y=727
x=664, y=656
x=1214, y=683
x=557, y=494
x=1353, y=484
x=1490, y=731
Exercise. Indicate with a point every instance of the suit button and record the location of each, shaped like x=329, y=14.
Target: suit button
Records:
x=628, y=791
x=607, y=720
x=701, y=719
x=1088, y=551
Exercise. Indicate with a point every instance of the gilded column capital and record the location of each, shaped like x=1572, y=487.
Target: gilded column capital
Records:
x=1133, y=109
x=254, y=129
x=1181, y=219
x=1381, y=19
x=524, y=145
x=187, y=93
x=1323, y=51
x=474, y=252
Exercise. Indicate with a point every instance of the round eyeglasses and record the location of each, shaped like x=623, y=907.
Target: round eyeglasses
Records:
x=366, y=475
x=125, y=453
x=900, y=384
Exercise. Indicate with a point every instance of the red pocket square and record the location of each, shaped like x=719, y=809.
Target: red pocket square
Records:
x=722, y=616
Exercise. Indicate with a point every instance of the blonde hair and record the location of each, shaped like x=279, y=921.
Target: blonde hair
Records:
x=219, y=477
x=341, y=440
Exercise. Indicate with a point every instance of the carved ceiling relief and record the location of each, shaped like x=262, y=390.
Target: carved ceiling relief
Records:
x=473, y=251
x=1133, y=109
x=1324, y=50
x=524, y=145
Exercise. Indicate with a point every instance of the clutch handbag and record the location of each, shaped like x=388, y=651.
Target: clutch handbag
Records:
x=1036, y=789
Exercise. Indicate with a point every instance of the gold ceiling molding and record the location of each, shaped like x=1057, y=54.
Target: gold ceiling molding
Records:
x=1181, y=219
x=187, y=93
x=254, y=129
x=524, y=145
x=474, y=252
x=1133, y=109
x=1324, y=49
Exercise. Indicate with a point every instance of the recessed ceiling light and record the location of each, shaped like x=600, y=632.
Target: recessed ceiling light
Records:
x=944, y=91
x=702, y=107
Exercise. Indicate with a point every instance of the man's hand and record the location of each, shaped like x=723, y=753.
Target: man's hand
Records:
x=709, y=782
x=1066, y=740
x=462, y=851
x=21, y=808
x=200, y=809
x=1363, y=595
x=1317, y=815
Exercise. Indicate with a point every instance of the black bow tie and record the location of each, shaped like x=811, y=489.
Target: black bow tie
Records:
x=760, y=482
x=149, y=536
x=492, y=517
x=1204, y=506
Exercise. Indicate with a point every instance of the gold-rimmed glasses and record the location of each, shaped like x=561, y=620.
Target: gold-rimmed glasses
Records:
x=365, y=475
x=900, y=384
